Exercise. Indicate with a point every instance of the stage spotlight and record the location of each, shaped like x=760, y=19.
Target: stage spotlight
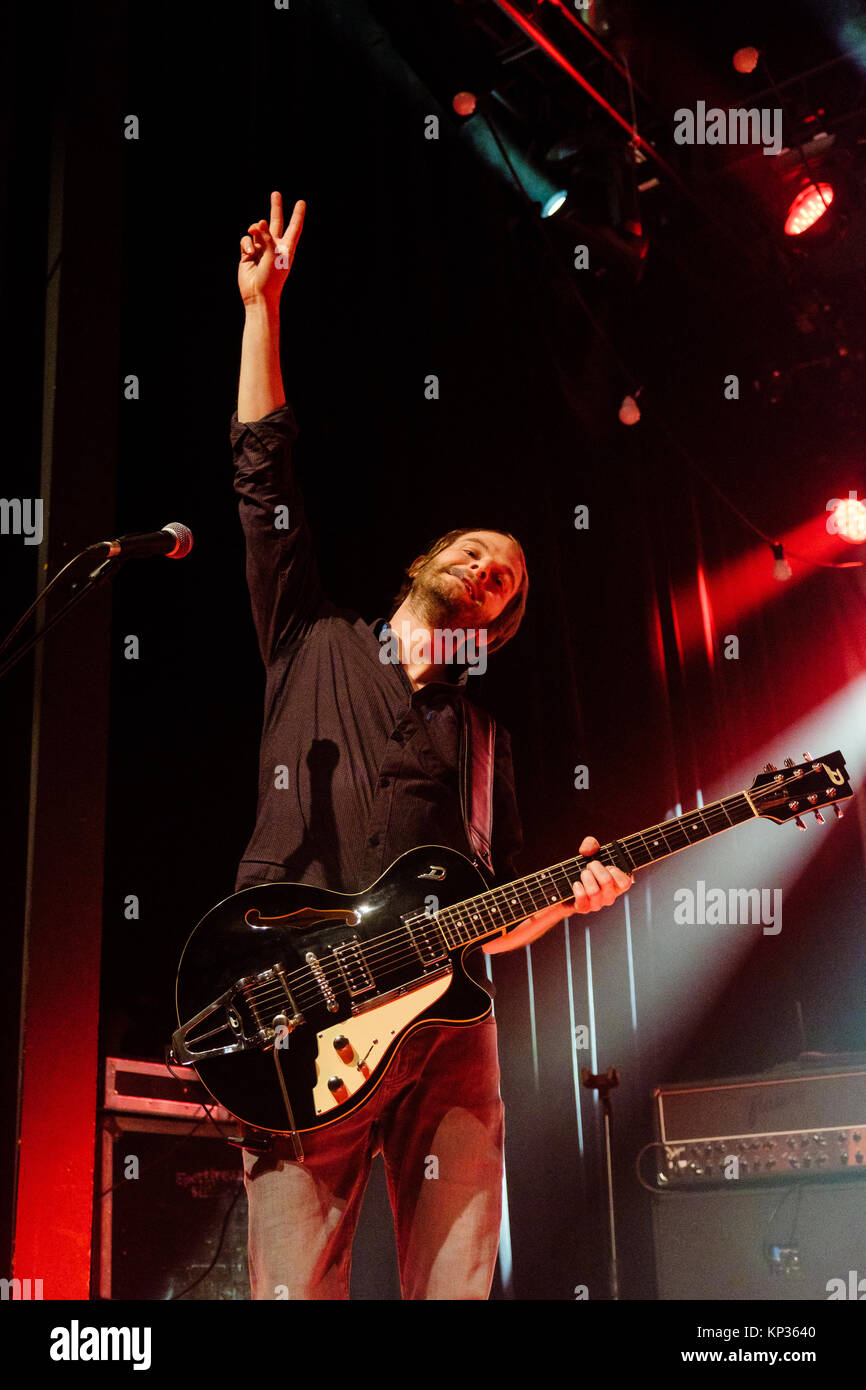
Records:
x=553, y=203
x=808, y=207
x=629, y=411
x=848, y=520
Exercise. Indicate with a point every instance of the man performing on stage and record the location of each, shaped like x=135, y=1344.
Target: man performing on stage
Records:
x=360, y=757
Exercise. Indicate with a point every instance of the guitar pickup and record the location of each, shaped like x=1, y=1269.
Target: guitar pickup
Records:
x=354, y=968
x=427, y=937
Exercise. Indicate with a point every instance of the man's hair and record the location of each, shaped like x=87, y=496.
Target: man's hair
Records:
x=501, y=629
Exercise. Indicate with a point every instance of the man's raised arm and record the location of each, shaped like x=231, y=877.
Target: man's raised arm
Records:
x=267, y=252
x=281, y=569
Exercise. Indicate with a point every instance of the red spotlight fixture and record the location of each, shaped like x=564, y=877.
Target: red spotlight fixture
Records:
x=849, y=520
x=809, y=205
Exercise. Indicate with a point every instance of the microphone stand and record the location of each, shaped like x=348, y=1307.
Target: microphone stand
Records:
x=604, y=1085
x=79, y=590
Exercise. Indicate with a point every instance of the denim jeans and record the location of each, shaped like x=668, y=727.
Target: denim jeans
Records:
x=438, y=1120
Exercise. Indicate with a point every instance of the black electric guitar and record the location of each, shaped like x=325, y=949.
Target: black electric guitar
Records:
x=292, y=1000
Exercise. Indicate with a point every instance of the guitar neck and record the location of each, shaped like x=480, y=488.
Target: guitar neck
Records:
x=477, y=918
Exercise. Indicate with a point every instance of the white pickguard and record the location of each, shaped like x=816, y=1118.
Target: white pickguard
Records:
x=370, y=1035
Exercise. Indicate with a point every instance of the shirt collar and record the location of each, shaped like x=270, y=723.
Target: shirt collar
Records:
x=458, y=673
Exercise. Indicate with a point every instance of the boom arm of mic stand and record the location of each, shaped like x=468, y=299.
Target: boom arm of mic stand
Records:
x=94, y=579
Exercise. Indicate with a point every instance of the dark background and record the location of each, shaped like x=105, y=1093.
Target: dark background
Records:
x=417, y=257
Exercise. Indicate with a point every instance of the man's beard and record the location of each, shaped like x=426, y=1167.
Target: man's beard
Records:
x=438, y=598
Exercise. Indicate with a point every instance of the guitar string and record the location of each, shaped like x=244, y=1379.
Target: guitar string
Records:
x=307, y=991
x=377, y=950
x=383, y=959
x=388, y=951
x=522, y=893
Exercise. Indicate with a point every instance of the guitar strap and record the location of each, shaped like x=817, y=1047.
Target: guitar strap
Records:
x=478, y=736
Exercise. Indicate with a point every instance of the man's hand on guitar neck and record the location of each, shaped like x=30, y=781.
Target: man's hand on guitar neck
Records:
x=599, y=886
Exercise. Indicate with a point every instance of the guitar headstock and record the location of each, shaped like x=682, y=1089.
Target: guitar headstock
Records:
x=788, y=793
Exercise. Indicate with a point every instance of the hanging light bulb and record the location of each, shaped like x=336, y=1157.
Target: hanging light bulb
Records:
x=464, y=103
x=746, y=59
x=629, y=411
x=781, y=568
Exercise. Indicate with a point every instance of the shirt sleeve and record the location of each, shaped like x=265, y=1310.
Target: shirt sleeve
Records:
x=507, y=838
x=282, y=573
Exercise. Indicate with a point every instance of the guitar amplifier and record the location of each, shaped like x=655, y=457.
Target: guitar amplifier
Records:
x=802, y=1120
x=149, y=1088
x=171, y=1215
x=167, y=1181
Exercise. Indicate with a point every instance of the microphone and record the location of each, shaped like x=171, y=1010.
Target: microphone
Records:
x=174, y=541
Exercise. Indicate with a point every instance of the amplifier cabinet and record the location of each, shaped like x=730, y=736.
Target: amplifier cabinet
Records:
x=761, y=1242
x=163, y=1195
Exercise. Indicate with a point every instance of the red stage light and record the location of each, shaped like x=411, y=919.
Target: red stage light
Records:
x=809, y=205
x=850, y=520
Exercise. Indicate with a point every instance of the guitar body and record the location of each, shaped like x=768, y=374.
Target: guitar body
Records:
x=349, y=975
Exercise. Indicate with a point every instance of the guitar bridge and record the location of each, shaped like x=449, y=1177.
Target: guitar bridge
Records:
x=243, y=1015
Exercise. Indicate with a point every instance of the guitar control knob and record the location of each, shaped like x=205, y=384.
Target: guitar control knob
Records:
x=345, y=1050
x=336, y=1084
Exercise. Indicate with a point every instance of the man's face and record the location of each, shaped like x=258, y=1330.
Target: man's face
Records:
x=473, y=579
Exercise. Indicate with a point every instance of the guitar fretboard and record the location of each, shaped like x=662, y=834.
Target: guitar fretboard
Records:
x=487, y=914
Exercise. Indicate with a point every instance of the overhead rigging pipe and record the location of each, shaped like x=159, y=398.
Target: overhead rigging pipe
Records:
x=540, y=38
x=596, y=42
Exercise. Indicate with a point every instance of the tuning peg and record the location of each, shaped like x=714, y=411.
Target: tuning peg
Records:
x=839, y=812
x=807, y=757
x=799, y=824
x=770, y=767
x=819, y=818
x=789, y=762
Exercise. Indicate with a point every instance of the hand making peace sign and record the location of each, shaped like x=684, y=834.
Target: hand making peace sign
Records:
x=267, y=252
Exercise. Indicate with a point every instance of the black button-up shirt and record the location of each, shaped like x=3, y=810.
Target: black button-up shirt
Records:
x=356, y=766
